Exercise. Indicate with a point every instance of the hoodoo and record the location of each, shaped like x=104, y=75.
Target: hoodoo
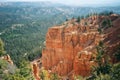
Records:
x=71, y=48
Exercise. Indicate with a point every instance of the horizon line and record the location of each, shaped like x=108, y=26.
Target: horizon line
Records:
x=84, y=5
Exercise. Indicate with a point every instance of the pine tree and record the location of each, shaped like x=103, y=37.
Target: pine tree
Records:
x=78, y=19
x=66, y=19
x=102, y=60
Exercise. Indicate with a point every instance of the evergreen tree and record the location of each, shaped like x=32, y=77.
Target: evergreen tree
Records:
x=117, y=54
x=102, y=60
x=102, y=70
x=78, y=19
x=66, y=19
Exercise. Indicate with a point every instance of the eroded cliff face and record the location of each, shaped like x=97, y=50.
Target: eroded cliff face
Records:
x=71, y=48
x=35, y=70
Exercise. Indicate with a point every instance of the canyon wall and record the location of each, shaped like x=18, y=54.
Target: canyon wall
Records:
x=67, y=48
x=35, y=70
x=70, y=49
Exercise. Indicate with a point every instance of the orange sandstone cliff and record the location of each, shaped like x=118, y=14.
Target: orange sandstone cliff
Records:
x=71, y=48
x=35, y=70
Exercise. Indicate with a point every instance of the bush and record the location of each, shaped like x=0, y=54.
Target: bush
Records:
x=100, y=30
x=117, y=54
x=106, y=23
x=115, y=74
x=54, y=76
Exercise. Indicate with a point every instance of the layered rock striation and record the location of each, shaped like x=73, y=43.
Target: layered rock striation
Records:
x=71, y=48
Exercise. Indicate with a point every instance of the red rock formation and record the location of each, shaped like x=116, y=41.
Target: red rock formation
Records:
x=72, y=49
x=35, y=70
x=7, y=58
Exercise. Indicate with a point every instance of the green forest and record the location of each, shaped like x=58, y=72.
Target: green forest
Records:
x=23, y=26
x=22, y=35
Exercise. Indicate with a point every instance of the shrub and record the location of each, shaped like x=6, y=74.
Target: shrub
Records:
x=115, y=74
x=117, y=54
x=106, y=23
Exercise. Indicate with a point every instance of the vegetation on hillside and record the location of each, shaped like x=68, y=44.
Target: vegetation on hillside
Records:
x=9, y=71
x=23, y=25
x=23, y=29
